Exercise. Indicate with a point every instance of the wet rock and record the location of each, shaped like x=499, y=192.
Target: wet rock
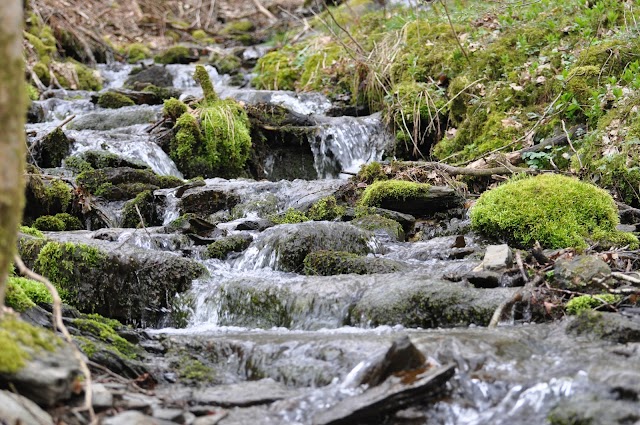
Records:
x=330, y=263
x=291, y=243
x=589, y=410
x=244, y=394
x=259, y=225
x=50, y=150
x=212, y=418
x=384, y=228
x=608, y=326
x=221, y=248
x=204, y=201
x=116, y=280
x=497, y=257
x=401, y=356
x=172, y=415
x=425, y=302
x=189, y=185
x=394, y=394
x=151, y=95
x=443, y=248
x=484, y=279
x=156, y=75
x=16, y=409
x=577, y=274
x=36, y=113
x=108, y=120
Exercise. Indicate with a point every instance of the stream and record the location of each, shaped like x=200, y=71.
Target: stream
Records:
x=268, y=331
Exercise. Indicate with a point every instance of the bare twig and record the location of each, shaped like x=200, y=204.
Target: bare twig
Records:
x=564, y=128
x=59, y=324
x=264, y=10
x=66, y=121
x=361, y=50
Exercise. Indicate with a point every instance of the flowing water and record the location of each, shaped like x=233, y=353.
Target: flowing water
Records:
x=302, y=333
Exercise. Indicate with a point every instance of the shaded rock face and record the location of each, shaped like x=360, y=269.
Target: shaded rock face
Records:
x=285, y=247
x=204, y=201
x=15, y=409
x=127, y=283
x=156, y=75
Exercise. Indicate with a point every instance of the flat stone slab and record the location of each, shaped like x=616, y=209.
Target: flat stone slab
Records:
x=245, y=394
x=497, y=257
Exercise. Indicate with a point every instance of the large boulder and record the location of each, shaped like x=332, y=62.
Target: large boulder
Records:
x=116, y=280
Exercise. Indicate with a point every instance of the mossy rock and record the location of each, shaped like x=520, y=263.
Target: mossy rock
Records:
x=20, y=342
x=49, y=223
x=175, y=54
x=555, y=210
x=370, y=173
x=275, y=71
x=290, y=216
x=114, y=100
x=155, y=75
x=218, y=143
x=330, y=263
x=417, y=199
x=226, y=64
x=49, y=151
x=103, y=159
x=45, y=197
x=221, y=248
x=381, y=227
x=174, y=108
x=145, y=203
x=123, y=182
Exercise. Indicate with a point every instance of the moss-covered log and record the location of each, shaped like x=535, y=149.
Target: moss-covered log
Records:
x=12, y=143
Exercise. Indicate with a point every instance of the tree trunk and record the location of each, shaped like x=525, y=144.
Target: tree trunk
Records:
x=12, y=139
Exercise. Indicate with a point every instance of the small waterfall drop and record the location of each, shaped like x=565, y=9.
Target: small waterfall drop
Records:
x=346, y=143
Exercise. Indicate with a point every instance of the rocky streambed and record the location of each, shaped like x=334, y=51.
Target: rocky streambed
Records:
x=242, y=315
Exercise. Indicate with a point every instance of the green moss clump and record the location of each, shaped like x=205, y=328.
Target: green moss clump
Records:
x=194, y=370
x=275, y=71
x=32, y=92
x=42, y=72
x=199, y=34
x=555, y=210
x=577, y=305
x=54, y=147
x=70, y=222
x=226, y=64
x=291, y=216
x=377, y=223
x=65, y=264
x=174, y=108
x=18, y=340
x=114, y=100
x=201, y=76
x=137, y=52
x=222, y=247
x=175, y=54
x=88, y=79
x=216, y=146
x=77, y=164
x=144, y=202
x=392, y=190
x=31, y=232
x=49, y=223
x=370, y=173
x=16, y=298
x=104, y=331
x=58, y=192
x=239, y=26
x=325, y=209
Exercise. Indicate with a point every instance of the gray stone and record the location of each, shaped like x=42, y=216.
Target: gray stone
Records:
x=133, y=417
x=173, y=415
x=211, y=418
x=244, y=394
x=101, y=397
x=588, y=410
x=115, y=118
x=579, y=273
x=497, y=257
x=16, y=409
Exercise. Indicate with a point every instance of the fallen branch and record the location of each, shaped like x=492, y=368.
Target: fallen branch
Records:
x=59, y=324
x=466, y=171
